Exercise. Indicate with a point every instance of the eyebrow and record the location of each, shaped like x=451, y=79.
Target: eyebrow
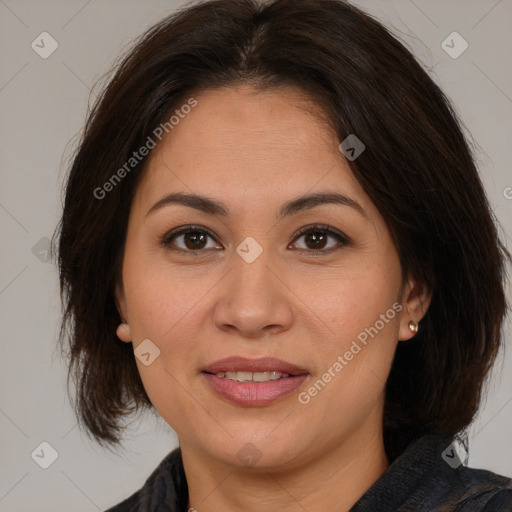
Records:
x=300, y=204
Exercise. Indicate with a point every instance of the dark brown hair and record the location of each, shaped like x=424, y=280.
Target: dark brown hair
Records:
x=417, y=169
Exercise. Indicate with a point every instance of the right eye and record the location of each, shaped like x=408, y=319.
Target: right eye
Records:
x=193, y=239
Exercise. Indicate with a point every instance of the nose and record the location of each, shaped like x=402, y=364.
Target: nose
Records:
x=254, y=300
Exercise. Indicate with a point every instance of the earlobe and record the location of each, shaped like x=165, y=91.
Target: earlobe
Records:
x=416, y=301
x=123, y=332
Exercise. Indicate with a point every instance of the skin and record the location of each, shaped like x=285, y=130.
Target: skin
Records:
x=254, y=151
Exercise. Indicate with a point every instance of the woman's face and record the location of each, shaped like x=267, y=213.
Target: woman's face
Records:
x=244, y=283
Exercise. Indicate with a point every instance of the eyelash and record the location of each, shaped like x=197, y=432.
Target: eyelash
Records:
x=340, y=237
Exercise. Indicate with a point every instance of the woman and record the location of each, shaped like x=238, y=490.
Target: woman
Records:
x=275, y=235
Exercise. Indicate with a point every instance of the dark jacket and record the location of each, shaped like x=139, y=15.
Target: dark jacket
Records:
x=419, y=480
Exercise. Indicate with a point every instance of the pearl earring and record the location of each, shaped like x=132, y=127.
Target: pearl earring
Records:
x=413, y=326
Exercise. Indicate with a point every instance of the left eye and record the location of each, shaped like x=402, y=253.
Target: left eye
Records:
x=316, y=238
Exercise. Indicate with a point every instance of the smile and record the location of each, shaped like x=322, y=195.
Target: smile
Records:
x=253, y=376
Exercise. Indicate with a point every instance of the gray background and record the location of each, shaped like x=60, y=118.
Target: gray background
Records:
x=43, y=103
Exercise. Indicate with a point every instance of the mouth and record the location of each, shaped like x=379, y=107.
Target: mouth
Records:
x=241, y=376
x=243, y=366
x=254, y=382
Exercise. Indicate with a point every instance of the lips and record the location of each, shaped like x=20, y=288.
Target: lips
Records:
x=245, y=382
x=264, y=364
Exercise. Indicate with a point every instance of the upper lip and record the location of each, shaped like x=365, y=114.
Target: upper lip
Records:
x=263, y=364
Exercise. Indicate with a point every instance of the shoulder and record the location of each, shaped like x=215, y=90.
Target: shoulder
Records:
x=501, y=501
x=460, y=488
x=422, y=479
x=163, y=491
x=482, y=491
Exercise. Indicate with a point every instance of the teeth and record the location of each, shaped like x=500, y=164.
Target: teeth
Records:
x=253, y=376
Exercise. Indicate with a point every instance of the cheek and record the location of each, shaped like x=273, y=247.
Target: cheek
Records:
x=355, y=359
x=166, y=304
x=360, y=308
x=349, y=301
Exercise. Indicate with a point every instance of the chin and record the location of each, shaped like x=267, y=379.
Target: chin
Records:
x=255, y=452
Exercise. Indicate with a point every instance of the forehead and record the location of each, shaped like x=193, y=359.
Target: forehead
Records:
x=244, y=143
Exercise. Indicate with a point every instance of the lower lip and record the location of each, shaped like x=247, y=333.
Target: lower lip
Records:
x=254, y=394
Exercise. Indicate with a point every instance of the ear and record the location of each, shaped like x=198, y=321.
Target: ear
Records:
x=415, y=300
x=123, y=330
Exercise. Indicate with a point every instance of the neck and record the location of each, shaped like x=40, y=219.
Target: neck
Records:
x=335, y=478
